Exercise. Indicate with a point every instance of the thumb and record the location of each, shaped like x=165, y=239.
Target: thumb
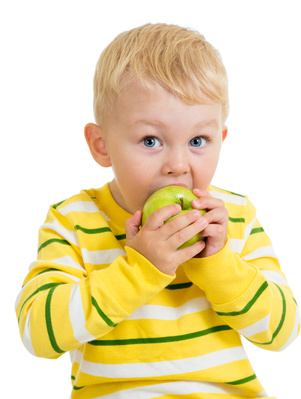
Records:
x=132, y=225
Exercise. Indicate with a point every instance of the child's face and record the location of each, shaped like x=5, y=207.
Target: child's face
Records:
x=154, y=140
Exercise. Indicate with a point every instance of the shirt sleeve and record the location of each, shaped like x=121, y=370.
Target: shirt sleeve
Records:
x=64, y=303
x=248, y=290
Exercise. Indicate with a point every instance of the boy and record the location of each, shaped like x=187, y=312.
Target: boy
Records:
x=141, y=318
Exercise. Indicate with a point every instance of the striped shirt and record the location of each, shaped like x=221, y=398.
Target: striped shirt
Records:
x=133, y=331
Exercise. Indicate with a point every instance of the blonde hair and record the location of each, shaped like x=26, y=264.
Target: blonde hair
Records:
x=179, y=60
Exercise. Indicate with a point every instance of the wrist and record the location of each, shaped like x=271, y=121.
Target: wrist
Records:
x=223, y=276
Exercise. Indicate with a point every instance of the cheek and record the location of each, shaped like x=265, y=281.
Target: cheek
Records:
x=128, y=173
x=133, y=179
x=137, y=168
x=205, y=172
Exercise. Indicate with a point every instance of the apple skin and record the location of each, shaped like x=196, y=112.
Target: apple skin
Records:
x=172, y=195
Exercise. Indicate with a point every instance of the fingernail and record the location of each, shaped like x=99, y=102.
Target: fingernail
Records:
x=196, y=214
x=195, y=202
x=203, y=223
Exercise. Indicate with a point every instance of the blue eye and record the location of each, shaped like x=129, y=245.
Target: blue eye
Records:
x=151, y=142
x=197, y=142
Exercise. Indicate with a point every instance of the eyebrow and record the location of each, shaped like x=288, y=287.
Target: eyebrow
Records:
x=155, y=123
x=210, y=122
x=146, y=122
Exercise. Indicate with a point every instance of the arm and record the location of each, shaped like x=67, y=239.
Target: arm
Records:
x=81, y=285
x=245, y=285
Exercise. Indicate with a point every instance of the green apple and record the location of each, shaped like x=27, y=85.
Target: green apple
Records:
x=172, y=195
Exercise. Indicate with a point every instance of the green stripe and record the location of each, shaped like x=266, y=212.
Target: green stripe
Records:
x=58, y=204
x=101, y=313
x=48, y=270
x=49, y=323
x=98, y=231
x=243, y=380
x=120, y=237
x=257, y=230
x=42, y=288
x=179, y=286
x=74, y=386
x=93, y=231
x=283, y=314
x=237, y=220
x=48, y=242
x=77, y=388
x=276, y=332
x=248, y=305
x=160, y=340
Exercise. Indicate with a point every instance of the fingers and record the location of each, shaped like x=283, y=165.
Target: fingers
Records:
x=191, y=251
x=181, y=221
x=216, y=210
x=157, y=219
x=178, y=228
x=159, y=242
x=206, y=201
x=132, y=225
x=168, y=228
x=190, y=226
x=217, y=216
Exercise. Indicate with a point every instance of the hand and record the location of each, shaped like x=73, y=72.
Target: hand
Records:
x=217, y=216
x=159, y=242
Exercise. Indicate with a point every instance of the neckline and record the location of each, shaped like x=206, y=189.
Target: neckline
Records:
x=110, y=207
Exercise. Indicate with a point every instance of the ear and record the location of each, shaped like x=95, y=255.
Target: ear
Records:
x=96, y=141
x=224, y=133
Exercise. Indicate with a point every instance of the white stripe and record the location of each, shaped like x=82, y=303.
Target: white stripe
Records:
x=77, y=316
x=169, y=313
x=164, y=368
x=274, y=277
x=26, y=335
x=69, y=235
x=229, y=198
x=294, y=334
x=237, y=244
x=106, y=218
x=79, y=206
x=101, y=257
x=76, y=356
x=18, y=299
x=256, y=328
x=175, y=388
x=74, y=278
x=73, y=356
x=263, y=252
x=63, y=261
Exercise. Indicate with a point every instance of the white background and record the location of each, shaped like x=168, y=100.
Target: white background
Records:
x=48, y=55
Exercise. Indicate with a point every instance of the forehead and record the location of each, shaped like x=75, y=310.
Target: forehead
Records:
x=132, y=85
x=138, y=103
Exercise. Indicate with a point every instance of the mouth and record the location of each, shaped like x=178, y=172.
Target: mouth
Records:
x=178, y=184
x=168, y=185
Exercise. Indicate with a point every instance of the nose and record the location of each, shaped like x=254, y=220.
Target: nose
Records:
x=175, y=163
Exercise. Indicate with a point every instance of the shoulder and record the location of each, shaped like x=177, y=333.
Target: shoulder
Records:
x=232, y=200
x=242, y=212
x=81, y=209
x=229, y=197
x=81, y=202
